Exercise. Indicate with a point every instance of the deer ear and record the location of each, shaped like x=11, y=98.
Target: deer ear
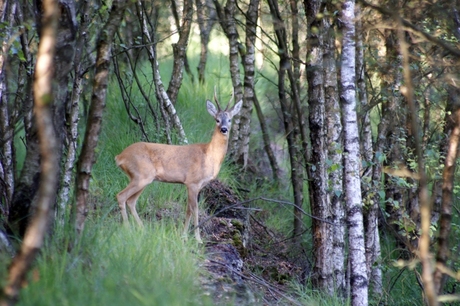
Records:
x=212, y=110
x=236, y=108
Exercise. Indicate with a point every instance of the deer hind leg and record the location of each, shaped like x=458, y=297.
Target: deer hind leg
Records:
x=129, y=196
x=132, y=205
x=192, y=209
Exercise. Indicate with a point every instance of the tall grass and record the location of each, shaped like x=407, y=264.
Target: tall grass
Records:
x=115, y=265
x=127, y=265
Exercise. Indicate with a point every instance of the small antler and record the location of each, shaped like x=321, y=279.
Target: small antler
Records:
x=231, y=98
x=215, y=98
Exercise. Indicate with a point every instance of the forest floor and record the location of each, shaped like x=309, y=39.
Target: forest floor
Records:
x=246, y=262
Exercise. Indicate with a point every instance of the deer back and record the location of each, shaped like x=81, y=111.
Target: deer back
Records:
x=189, y=164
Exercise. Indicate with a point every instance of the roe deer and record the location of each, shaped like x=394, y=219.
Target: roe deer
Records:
x=192, y=165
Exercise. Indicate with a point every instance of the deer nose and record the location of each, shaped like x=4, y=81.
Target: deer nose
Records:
x=224, y=130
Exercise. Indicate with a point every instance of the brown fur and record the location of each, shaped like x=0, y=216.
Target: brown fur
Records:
x=192, y=165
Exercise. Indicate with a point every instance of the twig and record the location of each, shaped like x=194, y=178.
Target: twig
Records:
x=289, y=203
x=264, y=199
x=449, y=48
x=254, y=278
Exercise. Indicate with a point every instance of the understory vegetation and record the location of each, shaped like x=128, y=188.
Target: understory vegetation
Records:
x=338, y=124
x=113, y=264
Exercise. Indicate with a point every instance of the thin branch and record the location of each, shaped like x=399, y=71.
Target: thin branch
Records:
x=263, y=199
x=389, y=12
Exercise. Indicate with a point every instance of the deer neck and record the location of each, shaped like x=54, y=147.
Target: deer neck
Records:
x=217, y=148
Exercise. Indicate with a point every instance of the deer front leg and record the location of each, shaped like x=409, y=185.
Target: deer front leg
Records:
x=192, y=209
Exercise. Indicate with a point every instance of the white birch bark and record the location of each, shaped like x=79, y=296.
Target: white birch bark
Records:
x=248, y=59
x=34, y=237
x=320, y=198
x=6, y=130
x=228, y=24
x=167, y=108
x=352, y=162
x=374, y=272
x=335, y=148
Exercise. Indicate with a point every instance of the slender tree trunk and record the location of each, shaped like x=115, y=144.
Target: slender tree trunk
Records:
x=179, y=51
x=88, y=153
x=167, y=108
x=7, y=13
x=288, y=112
x=335, y=157
x=320, y=199
x=424, y=197
x=26, y=185
x=248, y=59
x=227, y=21
x=63, y=65
x=369, y=185
x=352, y=162
x=206, y=19
x=187, y=4
x=35, y=233
x=393, y=113
x=276, y=171
x=453, y=130
x=73, y=114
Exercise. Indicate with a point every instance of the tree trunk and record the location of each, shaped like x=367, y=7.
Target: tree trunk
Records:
x=248, y=59
x=73, y=115
x=28, y=183
x=335, y=149
x=167, y=108
x=288, y=113
x=352, y=162
x=453, y=129
x=424, y=197
x=320, y=199
x=206, y=19
x=7, y=14
x=227, y=21
x=35, y=233
x=88, y=153
x=276, y=172
x=63, y=65
x=369, y=184
x=179, y=51
x=393, y=114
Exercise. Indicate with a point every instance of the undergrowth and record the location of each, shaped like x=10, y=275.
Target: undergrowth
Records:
x=118, y=265
x=126, y=265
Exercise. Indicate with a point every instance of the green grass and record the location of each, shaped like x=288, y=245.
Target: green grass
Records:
x=118, y=265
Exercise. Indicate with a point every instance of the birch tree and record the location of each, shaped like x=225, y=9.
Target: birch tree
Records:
x=335, y=152
x=167, y=109
x=87, y=156
x=34, y=236
x=7, y=13
x=352, y=161
x=73, y=114
x=320, y=198
x=179, y=51
x=206, y=15
x=370, y=183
